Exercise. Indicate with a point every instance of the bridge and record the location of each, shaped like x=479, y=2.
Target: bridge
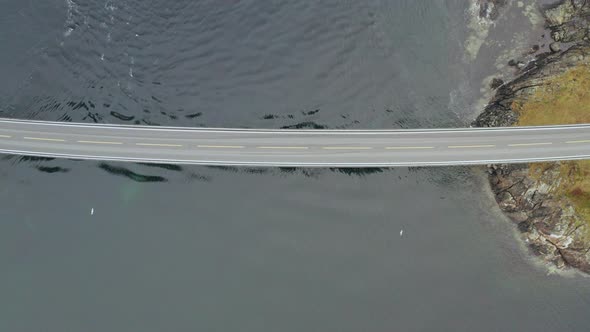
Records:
x=294, y=148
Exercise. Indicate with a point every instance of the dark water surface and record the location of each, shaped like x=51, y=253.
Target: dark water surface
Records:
x=172, y=248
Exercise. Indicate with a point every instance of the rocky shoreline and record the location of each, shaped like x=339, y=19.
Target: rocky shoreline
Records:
x=547, y=220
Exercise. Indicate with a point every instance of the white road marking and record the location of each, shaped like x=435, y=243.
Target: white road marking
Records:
x=408, y=147
x=529, y=144
x=347, y=148
x=291, y=164
x=470, y=146
x=159, y=144
x=299, y=131
x=221, y=146
x=100, y=142
x=45, y=139
x=283, y=147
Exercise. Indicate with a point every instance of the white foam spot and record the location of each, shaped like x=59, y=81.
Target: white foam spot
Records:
x=72, y=9
x=479, y=28
x=109, y=6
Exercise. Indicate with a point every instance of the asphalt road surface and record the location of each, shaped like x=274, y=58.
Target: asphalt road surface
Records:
x=294, y=148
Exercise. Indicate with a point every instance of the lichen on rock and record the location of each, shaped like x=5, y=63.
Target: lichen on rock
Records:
x=569, y=20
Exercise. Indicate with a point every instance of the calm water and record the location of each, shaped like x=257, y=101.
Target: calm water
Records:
x=173, y=248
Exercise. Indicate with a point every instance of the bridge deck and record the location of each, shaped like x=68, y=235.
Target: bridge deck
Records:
x=294, y=148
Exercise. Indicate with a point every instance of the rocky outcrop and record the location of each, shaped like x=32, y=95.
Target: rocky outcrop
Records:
x=569, y=21
x=546, y=218
x=548, y=223
x=500, y=113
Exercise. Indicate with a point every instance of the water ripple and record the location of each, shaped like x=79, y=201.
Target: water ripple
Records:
x=235, y=63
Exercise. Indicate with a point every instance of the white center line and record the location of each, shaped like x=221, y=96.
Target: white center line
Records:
x=347, y=148
x=470, y=146
x=99, y=142
x=283, y=147
x=530, y=144
x=5, y=136
x=221, y=146
x=158, y=144
x=578, y=142
x=408, y=147
x=45, y=139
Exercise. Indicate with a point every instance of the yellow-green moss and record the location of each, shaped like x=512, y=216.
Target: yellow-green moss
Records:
x=565, y=99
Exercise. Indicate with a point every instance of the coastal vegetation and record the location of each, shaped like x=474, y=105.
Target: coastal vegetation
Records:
x=563, y=99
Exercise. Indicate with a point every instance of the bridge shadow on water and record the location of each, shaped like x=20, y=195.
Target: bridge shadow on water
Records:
x=193, y=173
x=164, y=173
x=125, y=172
x=40, y=163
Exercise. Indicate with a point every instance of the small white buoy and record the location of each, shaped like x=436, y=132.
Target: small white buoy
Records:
x=401, y=233
x=92, y=211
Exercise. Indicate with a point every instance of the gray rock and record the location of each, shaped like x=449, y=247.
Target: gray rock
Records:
x=496, y=83
x=555, y=47
x=557, y=35
x=560, y=263
x=542, y=212
x=518, y=217
x=506, y=201
x=579, y=4
x=569, y=20
x=561, y=13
